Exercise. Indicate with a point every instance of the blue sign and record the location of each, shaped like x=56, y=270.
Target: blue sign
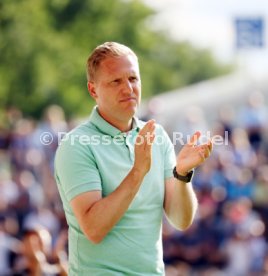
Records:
x=249, y=33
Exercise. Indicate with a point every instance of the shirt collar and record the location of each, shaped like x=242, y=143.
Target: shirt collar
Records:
x=106, y=127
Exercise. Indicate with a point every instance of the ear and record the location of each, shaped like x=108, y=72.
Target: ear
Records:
x=91, y=89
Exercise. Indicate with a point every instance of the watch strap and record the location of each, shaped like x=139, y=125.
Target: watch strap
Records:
x=187, y=178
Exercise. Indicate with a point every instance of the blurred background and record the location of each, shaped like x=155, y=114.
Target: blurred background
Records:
x=203, y=67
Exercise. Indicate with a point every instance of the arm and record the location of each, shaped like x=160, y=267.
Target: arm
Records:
x=180, y=203
x=96, y=215
x=180, y=200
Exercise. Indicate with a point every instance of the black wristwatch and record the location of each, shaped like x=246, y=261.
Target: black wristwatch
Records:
x=187, y=178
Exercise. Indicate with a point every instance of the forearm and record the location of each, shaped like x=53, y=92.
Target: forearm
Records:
x=106, y=212
x=183, y=205
x=97, y=215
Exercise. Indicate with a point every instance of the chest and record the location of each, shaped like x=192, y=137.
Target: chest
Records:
x=116, y=160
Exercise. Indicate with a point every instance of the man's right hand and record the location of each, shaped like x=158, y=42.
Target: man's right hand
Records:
x=143, y=148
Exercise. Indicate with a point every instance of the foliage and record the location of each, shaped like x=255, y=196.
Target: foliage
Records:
x=44, y=45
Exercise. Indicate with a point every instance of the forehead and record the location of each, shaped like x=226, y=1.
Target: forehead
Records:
x=119, y=66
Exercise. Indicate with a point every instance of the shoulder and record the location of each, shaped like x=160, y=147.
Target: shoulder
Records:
x=76, y=142
x=77, y=134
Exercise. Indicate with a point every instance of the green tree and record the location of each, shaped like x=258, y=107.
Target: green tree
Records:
x=44, y=45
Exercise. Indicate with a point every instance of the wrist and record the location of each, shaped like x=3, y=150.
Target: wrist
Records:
x=180, y=171
x=184, y=178
x=137, y=172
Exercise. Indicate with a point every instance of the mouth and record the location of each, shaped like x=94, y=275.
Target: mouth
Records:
x=130, y=99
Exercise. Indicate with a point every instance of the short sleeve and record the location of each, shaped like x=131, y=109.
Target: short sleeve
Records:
x=75, y=168
x=169, y=156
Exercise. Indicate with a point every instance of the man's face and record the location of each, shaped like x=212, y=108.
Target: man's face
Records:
x=117, y=88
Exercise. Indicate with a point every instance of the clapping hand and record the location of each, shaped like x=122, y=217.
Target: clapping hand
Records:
x=192, y=155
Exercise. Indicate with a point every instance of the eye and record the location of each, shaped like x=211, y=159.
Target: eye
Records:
x=116, y=82
x=133, y=79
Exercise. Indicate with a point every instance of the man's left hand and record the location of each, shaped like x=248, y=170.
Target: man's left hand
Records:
x=192, y=155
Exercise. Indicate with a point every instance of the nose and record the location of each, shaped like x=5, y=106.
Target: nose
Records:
x=128, y=89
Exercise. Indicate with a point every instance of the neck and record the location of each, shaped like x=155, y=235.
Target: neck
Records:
x=122, y=125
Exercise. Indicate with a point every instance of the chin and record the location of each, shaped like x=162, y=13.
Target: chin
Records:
x=132, y=110
x=129, y=109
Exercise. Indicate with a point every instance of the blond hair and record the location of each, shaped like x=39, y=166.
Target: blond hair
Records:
x=103, y=51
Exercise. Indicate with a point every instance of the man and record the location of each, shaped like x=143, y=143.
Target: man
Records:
x=115, y=181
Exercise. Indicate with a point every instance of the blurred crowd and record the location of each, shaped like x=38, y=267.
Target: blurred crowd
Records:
x=230, y=233
x=228, y=237
x=33, y=230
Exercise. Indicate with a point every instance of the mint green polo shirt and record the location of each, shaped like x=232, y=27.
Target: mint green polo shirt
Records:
x=98, y=156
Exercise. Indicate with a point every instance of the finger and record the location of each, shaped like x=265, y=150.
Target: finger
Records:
x=147, y=127
x=147, y=131
x=193, y=140
x=202, y=155
x=210, y=145
x=149, y=141
x=149, y=123
x=205, y=150
x=149, y=137
x=143, y=139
